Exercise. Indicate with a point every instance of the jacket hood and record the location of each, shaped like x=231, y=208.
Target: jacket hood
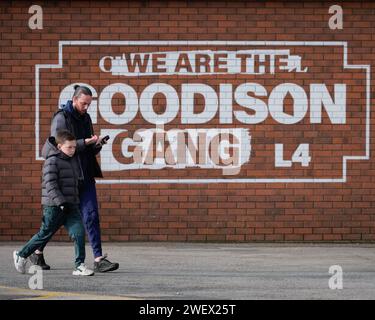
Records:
x=68, y=107
x=50, y=149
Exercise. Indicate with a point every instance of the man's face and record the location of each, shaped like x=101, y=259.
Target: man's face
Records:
x=68, y=147
x=82, y=103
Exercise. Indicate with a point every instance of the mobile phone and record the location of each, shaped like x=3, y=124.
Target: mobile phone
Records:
x=104, y=140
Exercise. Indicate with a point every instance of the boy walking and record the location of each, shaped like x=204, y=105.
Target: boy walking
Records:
x=60, y=200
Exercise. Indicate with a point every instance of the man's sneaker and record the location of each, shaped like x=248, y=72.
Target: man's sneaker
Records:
x=104, y=265
x=82, y=270
x=38, y=259
x=19, y=262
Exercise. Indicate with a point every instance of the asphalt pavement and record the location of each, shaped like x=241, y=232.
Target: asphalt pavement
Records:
x=200, y=271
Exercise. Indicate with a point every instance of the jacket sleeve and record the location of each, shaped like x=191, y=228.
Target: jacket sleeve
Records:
x=59, y=123
x=50, y=177
x=81, y=146
x=96, y=148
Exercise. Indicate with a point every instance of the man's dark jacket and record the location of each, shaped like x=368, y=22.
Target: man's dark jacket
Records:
x=67, y=118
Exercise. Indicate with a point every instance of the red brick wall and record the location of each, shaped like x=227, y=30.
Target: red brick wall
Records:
x=215, y=211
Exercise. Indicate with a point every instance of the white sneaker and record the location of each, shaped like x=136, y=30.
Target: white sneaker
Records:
x=19, y=262
x=82, y=270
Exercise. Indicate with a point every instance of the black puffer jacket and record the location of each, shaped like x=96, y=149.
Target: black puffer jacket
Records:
x=61, y=176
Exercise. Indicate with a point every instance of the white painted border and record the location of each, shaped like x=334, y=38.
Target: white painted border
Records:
x=217, y=43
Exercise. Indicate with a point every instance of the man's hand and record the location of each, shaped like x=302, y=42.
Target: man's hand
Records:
x=92, y=140
x=102, y=140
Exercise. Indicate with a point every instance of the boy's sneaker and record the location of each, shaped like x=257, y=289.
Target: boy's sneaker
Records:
x=19, y=262
x=82, y=270
x=104, y=265
x=38, y=259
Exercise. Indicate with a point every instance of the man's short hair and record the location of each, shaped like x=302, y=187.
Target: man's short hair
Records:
x=78, y=90
x=64, y=135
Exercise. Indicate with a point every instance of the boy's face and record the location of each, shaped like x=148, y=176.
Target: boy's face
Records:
x=68, y=147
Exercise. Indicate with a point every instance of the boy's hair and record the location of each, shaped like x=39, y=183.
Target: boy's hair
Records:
x=78, y=90
x=64, y=135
